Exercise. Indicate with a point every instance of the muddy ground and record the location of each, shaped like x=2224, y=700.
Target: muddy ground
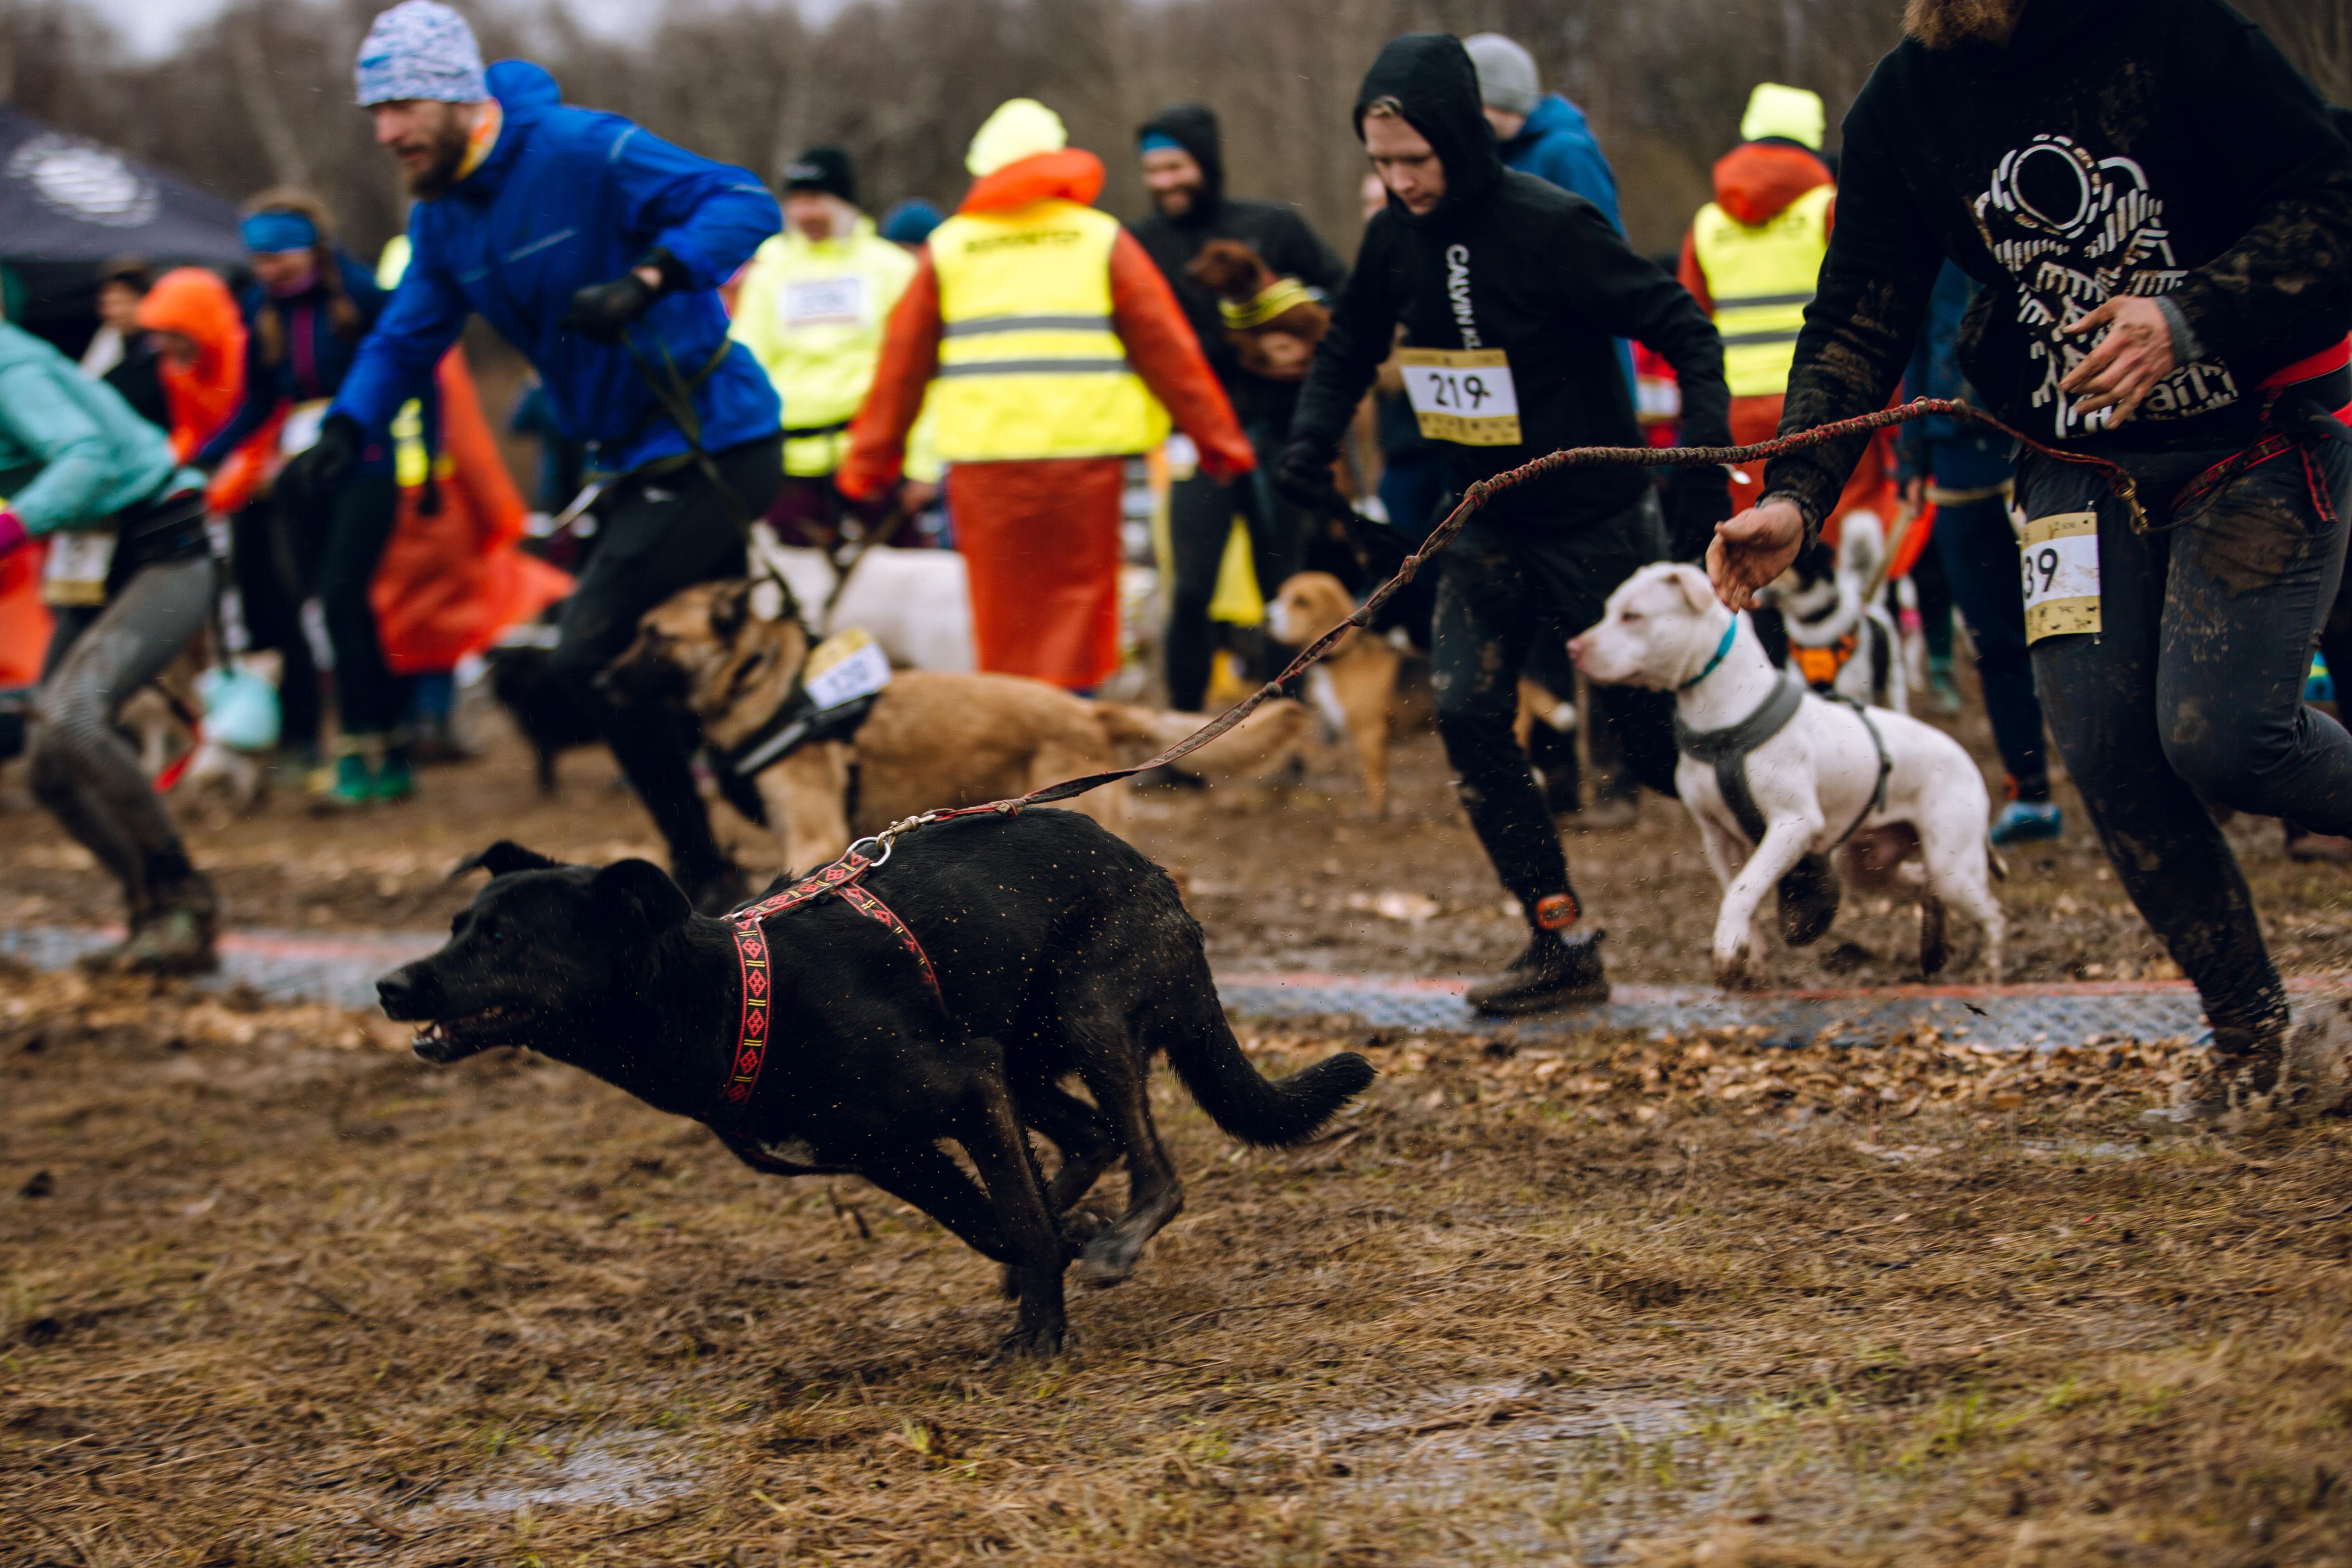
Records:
x=1289, y=877
x=274, y=1293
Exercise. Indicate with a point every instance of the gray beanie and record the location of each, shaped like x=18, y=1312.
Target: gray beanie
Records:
x=1507, y=73
x=420, y=49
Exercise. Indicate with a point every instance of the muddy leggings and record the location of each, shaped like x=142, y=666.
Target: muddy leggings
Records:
x=2194, y=686
x=1501, y=588
x=83, y=769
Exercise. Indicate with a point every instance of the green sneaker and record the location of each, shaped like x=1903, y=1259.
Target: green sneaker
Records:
x=395, y=780
x=354, y=785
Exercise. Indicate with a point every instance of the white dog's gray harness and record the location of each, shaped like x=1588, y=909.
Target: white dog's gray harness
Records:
x=1727, y=750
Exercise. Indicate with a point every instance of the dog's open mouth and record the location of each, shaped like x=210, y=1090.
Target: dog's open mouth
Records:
x=448, y=1039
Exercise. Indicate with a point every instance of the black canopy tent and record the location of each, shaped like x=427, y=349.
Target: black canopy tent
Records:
x=68, y=204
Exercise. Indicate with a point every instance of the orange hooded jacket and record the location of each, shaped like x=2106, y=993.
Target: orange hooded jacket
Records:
x=450, y=581
x=197, y=305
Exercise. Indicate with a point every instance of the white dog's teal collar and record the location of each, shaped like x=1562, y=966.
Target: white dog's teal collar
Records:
x=1722, y=652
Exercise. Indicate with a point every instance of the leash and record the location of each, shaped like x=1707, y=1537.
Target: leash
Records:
x=2118, y=480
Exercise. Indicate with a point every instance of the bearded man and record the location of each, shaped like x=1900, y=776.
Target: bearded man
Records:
x=597, y=250
x=2159, y=216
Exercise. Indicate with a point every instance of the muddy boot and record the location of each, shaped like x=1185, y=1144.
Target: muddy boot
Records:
x=179, y=938
x=395, y=778
x=1559, y=969
x=354, y=785
x=2235, y=1092
x=1808, y=900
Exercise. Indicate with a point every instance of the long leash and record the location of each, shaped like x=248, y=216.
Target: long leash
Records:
x=2118, y=480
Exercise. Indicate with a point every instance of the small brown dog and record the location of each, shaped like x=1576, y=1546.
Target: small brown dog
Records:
x=1355, y=686
x=931, y=739
x=1273, y=323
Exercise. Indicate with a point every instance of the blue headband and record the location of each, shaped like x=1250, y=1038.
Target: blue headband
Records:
x=1158, y=142
x=269, y=233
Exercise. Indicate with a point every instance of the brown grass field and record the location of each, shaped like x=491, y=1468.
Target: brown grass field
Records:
x=272, y=1292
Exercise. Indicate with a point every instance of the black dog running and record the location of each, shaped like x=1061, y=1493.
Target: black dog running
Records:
x=1058, y=948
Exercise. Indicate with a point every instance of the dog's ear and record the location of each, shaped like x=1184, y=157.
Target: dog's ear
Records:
x=500, y=859
x=730, y=607
x=644, y=892
x=1697, y=591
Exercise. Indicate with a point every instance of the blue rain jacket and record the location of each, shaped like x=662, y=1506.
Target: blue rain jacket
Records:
x=569, y=197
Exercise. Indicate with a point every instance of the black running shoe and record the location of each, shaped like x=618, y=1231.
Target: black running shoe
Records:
x=1557, y=970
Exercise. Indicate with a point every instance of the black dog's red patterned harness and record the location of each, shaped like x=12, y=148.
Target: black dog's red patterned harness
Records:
x=843, y=878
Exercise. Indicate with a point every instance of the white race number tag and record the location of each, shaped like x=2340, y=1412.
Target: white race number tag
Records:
x=1463, y=395
x=822, y=302
x=76, y=574
x=846, y=667
x=299, y=433
x=2060, y=556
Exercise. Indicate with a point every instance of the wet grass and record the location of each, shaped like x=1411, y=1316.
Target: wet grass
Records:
x=273, y=1293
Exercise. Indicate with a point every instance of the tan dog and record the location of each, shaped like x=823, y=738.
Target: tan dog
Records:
x=932, y=739
x=1273, y=322
x=1355, y=687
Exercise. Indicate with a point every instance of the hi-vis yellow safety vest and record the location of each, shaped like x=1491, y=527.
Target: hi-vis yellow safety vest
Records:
x=1762, y=280
x=1029, y=366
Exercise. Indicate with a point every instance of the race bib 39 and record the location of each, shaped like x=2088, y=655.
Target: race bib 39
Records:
x=2060, y=557
x=1463, y=395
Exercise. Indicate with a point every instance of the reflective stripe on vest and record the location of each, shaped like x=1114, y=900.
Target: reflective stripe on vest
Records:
x=1030, y=365
x=1762, y=280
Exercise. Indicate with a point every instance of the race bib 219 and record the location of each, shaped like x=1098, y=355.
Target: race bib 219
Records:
x=1463, y=395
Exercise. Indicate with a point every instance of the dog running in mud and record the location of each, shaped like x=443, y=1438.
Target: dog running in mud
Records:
x=1027, y=950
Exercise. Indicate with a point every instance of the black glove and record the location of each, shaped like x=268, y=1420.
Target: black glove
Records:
x=309, y=480
x=1303, y=475
x=1696, y=499
x=604, y=310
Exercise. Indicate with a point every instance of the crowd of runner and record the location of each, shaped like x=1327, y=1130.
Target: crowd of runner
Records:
x=2145, y=283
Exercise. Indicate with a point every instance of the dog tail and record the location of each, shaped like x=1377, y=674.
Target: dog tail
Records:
x=1270, y=1112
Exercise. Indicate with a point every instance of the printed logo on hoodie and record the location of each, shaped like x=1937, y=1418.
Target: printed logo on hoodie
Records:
x=1457, y=289
x=2076, y=230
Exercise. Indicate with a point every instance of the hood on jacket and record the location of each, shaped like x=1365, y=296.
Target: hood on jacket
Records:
x=1430, y=74
x=1756, y=181
x=1193, y=127
x=1552, y=116
x=525, y=94
x=193, y=302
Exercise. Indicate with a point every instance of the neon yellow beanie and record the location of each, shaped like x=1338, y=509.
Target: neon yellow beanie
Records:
x=1021, y=128
x=1789, y=111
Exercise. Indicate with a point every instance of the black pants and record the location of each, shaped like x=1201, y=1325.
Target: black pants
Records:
x=1501, y=588
x=2194, y=685
x=1199, y=518
x=274, y=568
x=654, y=537
x=348, y=538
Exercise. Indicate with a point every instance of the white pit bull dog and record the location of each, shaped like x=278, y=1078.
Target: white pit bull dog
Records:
x=1779, y=778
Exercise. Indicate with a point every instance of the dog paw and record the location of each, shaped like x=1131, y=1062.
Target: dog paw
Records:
x=1106, y=1260
x=1034, y=1342
x=1081, y=1226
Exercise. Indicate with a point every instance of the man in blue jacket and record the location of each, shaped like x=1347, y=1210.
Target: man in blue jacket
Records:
x=597, y=250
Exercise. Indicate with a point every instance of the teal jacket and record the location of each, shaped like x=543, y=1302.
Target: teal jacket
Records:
x=72, y=454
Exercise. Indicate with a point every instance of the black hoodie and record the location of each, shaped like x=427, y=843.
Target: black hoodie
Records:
x=1508, y=261
x=2160, y=147
x=1273, y=229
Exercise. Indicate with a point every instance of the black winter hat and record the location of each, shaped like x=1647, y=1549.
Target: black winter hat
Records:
x=1193, y=127
x=823, y=168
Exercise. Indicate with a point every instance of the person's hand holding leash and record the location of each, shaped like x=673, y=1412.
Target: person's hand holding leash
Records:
x=604, y=310
x=1752, y=548
x=311, y=476
x=2126, y=364
x=1303, y=474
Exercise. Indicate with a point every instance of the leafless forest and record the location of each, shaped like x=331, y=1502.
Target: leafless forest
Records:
x=262, y=95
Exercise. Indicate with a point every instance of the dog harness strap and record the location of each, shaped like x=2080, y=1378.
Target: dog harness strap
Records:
x=1885, y=763
x=1727, y=749
x=842, y=877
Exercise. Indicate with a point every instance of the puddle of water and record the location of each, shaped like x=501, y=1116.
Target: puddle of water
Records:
x=614, y=1470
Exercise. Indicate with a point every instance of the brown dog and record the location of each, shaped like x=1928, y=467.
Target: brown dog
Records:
x=1355, y=686
x=1273, y=322
x=931, y=739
